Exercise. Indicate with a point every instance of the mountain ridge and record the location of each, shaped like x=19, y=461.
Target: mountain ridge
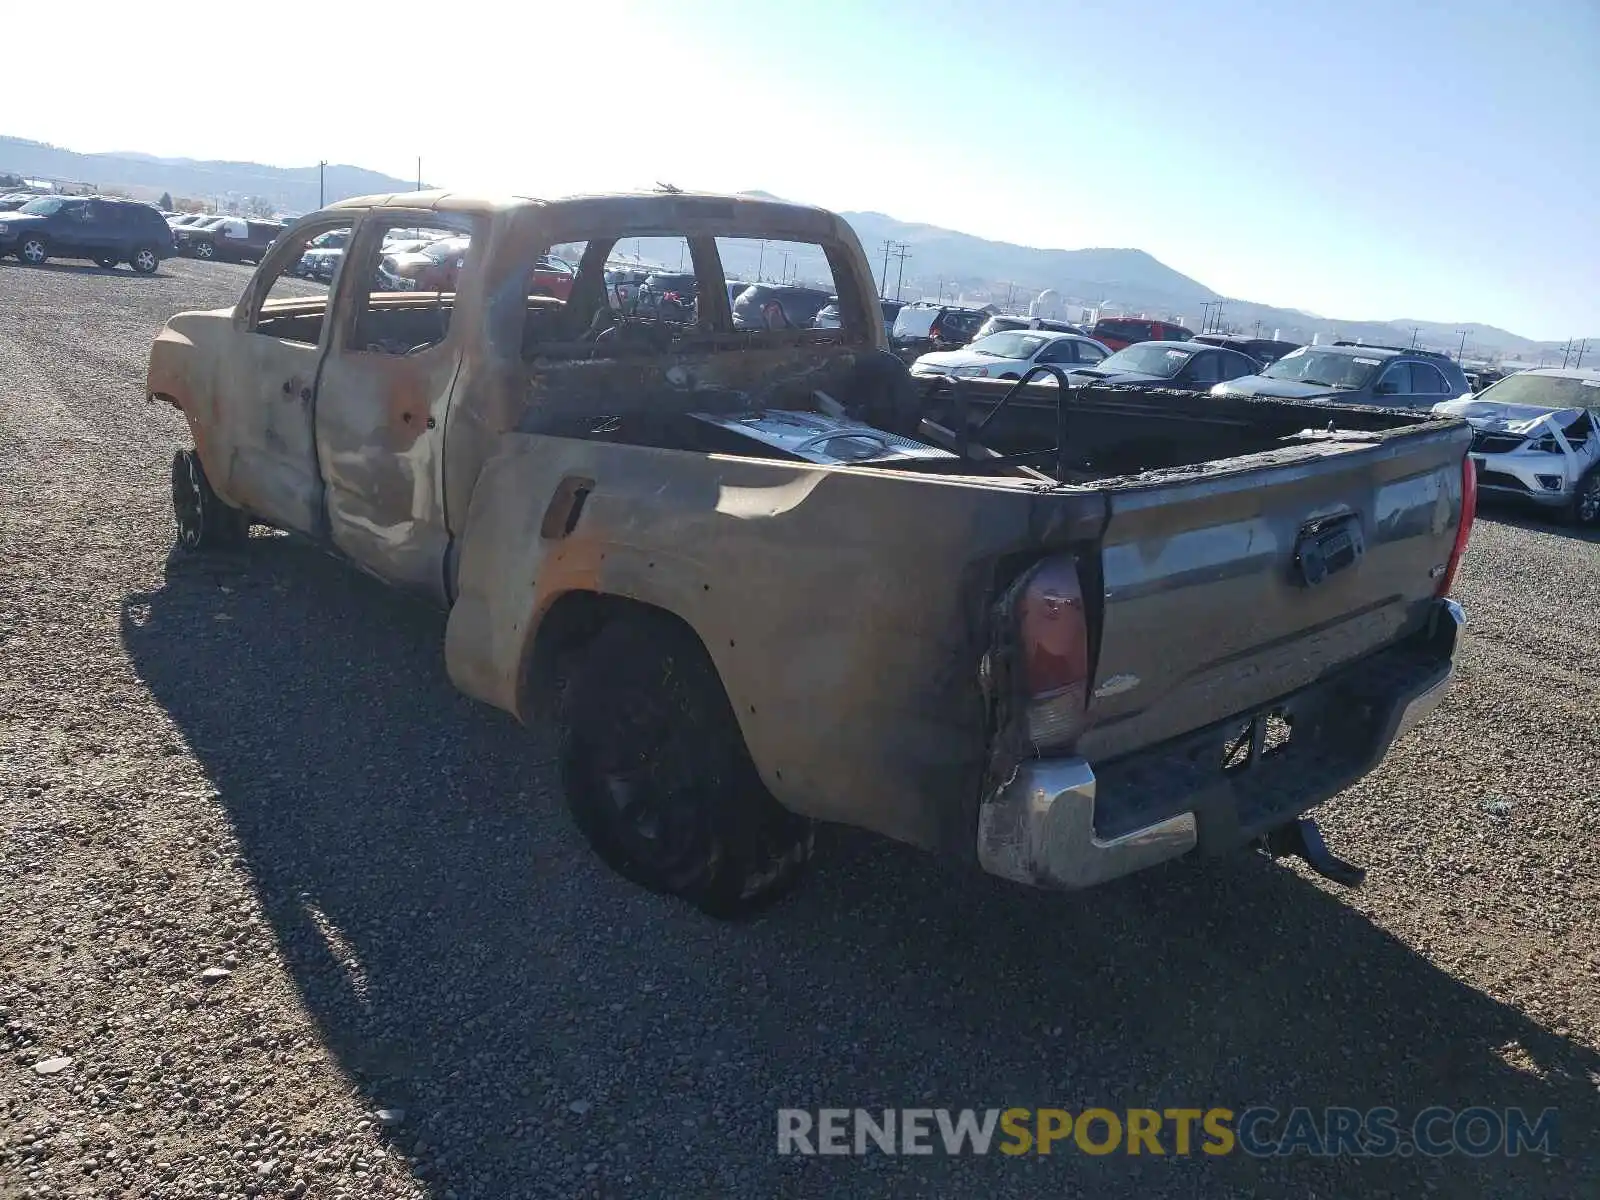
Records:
x=994, y=270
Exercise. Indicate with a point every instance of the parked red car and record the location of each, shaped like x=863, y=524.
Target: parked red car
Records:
x=552, y=277
x=1121, y=332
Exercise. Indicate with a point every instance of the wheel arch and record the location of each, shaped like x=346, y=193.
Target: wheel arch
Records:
x=570, y=622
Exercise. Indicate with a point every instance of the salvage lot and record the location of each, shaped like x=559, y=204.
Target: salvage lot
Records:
x=257, y=764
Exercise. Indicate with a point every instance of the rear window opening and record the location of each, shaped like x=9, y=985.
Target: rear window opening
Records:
x=634, y=298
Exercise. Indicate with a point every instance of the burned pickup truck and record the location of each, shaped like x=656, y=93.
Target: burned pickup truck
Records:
x=759, y=579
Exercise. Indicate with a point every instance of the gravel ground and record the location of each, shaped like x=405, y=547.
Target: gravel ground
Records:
x=306, y=922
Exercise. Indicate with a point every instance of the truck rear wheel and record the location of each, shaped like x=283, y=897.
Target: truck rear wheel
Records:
x=205, y=521
x=658, y=779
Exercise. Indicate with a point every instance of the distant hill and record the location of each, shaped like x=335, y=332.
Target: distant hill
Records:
x=1131, y=277
x=1134, y=281
x=937, y=260
x=285, y=189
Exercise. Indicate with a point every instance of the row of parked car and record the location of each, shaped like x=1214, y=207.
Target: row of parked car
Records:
x=1536, y=433
x=224, y=238
x=109, y=231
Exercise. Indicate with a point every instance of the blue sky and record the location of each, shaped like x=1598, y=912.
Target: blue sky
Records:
x=1358, y=159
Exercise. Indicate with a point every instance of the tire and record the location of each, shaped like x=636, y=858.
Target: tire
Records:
x=204, y=250
x=144, y=260
x=1585, y=507
x=205, y=523
x=107, y=263
x=658, y=779
x=34, y=251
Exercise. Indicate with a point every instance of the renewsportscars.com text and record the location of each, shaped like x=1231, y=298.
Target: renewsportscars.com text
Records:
x=1259, y=1131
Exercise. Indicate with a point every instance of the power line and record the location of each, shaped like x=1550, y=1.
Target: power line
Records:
x=902, y=252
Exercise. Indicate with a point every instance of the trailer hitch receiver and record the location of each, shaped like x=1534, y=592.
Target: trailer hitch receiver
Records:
x=1302, y=838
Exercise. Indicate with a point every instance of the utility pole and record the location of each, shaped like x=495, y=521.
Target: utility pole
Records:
x=1415, y=329
x=322, y=191
x=941, y=289
x=1011, y=290
x=1462, y=348
x=1566, y=353
x=1583, y=346
x=419, y=172
x=903, y=253
x=761, y=261
x=883, y=289
x=783, y=271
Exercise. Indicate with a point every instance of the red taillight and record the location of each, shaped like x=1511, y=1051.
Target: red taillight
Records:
x=1469, y=513
x=1054, y=636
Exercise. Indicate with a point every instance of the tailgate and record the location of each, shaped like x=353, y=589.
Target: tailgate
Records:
x=1208, y=612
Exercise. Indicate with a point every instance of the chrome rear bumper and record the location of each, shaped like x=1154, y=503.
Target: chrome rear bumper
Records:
x=1039, y=827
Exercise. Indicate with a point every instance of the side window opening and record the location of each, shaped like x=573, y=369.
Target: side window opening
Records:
x=294, y=305
x=1206, y=368
x=1396, y=380
x=1580, y=431
x=410, y=271
x=1427, y=380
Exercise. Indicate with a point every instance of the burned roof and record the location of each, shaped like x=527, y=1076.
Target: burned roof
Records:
x=637, y=212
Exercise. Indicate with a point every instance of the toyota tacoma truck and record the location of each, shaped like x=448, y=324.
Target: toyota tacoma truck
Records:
x=758, y=578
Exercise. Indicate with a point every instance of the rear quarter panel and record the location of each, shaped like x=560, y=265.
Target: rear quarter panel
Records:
x=845, y=610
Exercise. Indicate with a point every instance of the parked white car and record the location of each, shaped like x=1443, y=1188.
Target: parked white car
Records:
x=1009, y=354
x=1536, y=437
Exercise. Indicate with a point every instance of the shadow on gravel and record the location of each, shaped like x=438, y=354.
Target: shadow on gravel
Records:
x=552, y=1030
x=74, y=268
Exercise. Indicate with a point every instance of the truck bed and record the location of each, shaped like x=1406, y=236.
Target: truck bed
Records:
x=871, y=588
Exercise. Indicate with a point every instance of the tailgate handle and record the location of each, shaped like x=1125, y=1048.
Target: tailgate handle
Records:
x=1328, y=548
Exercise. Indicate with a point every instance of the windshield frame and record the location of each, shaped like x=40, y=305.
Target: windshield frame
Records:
x=1161, y=352
x=1019, y=338
x=1336, y=380
x=1584, y=394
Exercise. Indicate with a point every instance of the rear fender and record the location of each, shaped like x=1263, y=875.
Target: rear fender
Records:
x=845, y=610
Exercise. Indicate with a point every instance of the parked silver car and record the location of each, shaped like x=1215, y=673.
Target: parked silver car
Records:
x=1536, y=437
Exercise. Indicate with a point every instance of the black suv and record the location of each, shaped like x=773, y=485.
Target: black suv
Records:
x=98, y=228
x=1356, y=373
x=229, y=239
